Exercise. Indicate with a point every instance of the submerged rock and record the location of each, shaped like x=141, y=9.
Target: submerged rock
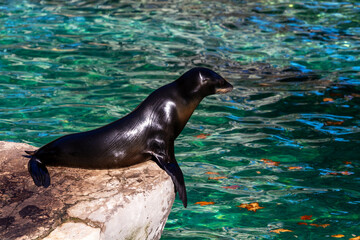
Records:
x=271, y=74
x=264, y=77
x=126, y=203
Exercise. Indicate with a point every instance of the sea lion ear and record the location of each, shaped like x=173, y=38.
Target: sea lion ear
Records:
x=202, y=78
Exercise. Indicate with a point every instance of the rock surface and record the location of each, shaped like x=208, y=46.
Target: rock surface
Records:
x=127, y=203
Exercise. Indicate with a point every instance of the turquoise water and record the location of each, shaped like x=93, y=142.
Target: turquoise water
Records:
x=291, y=146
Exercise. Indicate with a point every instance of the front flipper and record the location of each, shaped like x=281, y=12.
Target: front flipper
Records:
x=177, y=176
x=174, y=171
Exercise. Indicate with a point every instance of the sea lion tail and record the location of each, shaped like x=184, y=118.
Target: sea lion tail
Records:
x=38, y=172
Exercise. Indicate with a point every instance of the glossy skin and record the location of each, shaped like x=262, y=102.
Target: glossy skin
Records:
x=147, y=133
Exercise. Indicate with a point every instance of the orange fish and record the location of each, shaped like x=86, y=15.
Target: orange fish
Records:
x=302, y=223
x=295, y=168
x=328, y=100
x=202, y=135
x=338, y=236
x=251, y=206
x=333, y=123
x=270, y=162
x=319, y=225
x=203, y=203
x=280, y=230
x=306, y=217
x=355, y=238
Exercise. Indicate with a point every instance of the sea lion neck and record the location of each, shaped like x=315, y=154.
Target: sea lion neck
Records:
x=186, y=103
x=189, y=97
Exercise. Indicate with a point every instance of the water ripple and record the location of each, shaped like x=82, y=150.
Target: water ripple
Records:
x=286, y=136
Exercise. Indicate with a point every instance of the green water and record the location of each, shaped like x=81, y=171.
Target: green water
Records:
x=70, y=66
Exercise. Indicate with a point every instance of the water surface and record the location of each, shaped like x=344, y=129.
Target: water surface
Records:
x=292, y=146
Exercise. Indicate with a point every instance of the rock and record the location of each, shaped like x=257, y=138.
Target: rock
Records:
x=126, y=203
x=270, y=74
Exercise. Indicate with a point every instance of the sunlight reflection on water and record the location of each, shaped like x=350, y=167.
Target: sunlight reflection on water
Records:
x=75, y=65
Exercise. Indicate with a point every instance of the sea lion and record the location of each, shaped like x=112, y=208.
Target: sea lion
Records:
x=147, y=133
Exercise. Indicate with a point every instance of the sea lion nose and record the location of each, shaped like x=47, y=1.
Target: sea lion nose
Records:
x=229, y=85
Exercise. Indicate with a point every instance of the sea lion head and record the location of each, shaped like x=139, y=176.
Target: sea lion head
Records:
x=203, y=82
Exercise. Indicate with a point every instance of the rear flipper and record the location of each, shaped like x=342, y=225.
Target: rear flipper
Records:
x=38, y=172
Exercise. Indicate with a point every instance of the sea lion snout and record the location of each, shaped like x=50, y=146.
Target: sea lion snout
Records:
x=225, y=88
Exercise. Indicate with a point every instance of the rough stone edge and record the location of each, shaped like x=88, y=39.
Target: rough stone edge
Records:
x=60, y=228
